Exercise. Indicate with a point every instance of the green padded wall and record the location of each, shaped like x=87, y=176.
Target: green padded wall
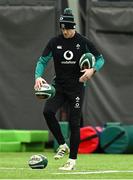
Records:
x=33, y=147
x=7, y=136
x=117, y=138
x=10, y=146
x=23, y=140
x=32, y=135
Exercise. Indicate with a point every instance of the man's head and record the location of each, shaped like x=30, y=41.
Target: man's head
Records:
x=67, y=23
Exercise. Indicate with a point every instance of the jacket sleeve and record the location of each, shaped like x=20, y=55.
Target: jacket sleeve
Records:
x=43, y=60
x=99, y=58
x=99, y=63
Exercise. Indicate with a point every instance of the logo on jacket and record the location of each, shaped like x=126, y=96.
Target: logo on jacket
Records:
x=59, y=47
x=68, y=56
x=78, y=46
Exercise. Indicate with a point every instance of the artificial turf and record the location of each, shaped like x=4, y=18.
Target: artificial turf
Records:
x=89, y=166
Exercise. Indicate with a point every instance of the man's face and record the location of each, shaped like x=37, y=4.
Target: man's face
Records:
x=68, y=33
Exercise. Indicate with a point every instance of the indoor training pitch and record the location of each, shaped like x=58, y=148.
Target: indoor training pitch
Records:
x=89, y=166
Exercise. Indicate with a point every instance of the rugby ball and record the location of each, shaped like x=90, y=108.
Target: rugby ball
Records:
x=38, y=161
x=87, y=61
x=45, y=92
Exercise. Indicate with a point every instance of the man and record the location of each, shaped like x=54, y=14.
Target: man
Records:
x=66, y=50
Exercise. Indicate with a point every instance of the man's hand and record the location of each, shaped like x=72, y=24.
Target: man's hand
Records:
x=88, y=73
x=39, y=83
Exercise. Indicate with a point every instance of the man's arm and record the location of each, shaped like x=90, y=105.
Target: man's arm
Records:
x=99, y=63
x=40, y=68
x=41, y=65
x=88, y=73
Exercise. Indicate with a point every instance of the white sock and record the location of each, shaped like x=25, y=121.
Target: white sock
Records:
x=72, y=160
x=64, y=144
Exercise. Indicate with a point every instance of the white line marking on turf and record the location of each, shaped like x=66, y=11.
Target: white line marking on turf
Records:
x=12, y=168
x=97, y=172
